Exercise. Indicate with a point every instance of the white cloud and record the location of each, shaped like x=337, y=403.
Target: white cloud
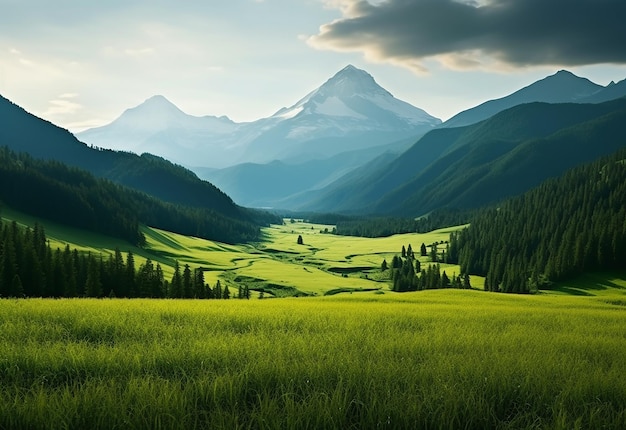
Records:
x=62, y=106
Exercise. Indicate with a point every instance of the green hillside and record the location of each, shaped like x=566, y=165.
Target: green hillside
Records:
x=566, y=227
x=488, y=170
x=24, y=132
x=51, y=190
x=470, y=166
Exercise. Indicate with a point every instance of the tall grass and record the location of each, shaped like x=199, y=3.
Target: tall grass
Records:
x=436, y=359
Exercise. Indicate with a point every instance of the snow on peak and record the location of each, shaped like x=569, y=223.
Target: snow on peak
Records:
x=353, y=93
x=158, y=104
x=351, y=81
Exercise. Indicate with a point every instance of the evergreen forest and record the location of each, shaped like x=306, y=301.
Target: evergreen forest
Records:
x=29, y=267
x=568, y=225
x=68, y=195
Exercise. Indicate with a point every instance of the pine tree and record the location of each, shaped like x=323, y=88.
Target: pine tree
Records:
x=445, y=281
x=17, y=290
x=198, y=283
x=433, y=253
x=93, y=286
x=158, y=283
x=119, y=274
x=187, y=282
x=129, y=278
x=217, y=291
x=144, y=278
x=466, y=281
x=177, y=282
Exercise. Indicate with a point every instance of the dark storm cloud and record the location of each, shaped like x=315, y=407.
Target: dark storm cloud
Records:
x=515, y=32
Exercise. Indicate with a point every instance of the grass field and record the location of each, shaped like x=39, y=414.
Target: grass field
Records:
x=377, y=359
x=433, y=359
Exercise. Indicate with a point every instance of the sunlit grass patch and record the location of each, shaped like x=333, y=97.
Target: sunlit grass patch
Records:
x=445, y=358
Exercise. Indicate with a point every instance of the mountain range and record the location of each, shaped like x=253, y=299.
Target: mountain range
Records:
x=429, y=165
x=479, y=164
x=562, y=87
x=349, y=112
x=306, y=156
x=23, y=132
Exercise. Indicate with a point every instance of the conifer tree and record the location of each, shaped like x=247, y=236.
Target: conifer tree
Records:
x=17, y=290
x=93, y=286
x=129, y=278
x=187, y=282
x=159, y=281
x=433, y=253
x=177, y=282
x=198, y=284
x=217, y=291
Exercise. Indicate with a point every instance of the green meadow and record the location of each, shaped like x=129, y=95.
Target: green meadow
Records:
x=433, y=359
x=276, y=265
x=364, y=358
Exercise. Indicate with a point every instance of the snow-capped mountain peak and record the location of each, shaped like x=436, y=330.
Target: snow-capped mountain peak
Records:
x=157, y=111
x=349, y=82
x=353, y=93
x=348, y=112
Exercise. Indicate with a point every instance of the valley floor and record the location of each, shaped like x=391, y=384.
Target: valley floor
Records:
x=372, y=359
x=277, y=265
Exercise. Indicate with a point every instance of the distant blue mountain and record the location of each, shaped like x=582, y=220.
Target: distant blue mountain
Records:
x=348, y=112
x=562, y=87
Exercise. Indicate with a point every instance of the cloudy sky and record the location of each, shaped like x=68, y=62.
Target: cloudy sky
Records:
x=80, y=64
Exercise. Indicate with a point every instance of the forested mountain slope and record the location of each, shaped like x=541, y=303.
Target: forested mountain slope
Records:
x=23, y=132
x=500, y=164
x=465, y=166
x=566, y=226
x=74, y=197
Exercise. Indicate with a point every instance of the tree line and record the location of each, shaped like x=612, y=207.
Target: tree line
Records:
x=30, y=268
x=568, y=225
x=74, y=197
x=408, y=273
x=390, y=225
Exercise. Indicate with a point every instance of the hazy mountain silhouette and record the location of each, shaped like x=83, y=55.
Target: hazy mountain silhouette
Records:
x=24, y=132
x=348, y=112
x=481, y=163
x=562, y=87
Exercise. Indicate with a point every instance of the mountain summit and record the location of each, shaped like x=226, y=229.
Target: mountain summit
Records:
x=159, y=127
x=562, y=87
x=155, y=111
x=350, y=81
x=353, y=93
x=350, y=111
